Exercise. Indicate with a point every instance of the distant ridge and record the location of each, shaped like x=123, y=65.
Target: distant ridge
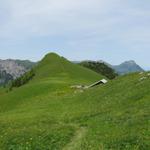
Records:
x=124, y=68
x=12, y=69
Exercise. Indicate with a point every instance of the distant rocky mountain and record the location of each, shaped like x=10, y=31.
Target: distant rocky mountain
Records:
x=26, y=63
x=12, y=69
x=127, y=67
x=124, y=68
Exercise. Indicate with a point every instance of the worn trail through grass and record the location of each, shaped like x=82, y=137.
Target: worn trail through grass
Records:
x=76, y=140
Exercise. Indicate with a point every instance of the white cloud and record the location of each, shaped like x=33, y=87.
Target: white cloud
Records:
x=51, y=17
x=88, y=24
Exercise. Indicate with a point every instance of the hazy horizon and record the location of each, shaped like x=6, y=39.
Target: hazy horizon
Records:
x=111, y=30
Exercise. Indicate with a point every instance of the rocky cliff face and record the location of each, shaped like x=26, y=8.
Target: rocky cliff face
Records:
x=12, y=69
x=5, y=77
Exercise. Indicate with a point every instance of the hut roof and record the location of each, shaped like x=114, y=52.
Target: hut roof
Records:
x=103, y=81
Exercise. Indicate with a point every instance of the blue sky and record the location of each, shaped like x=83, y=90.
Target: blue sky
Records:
x=111, y=30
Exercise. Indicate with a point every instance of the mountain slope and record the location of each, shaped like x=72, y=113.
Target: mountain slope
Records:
x=55, y=67
x=54, y=73
x=5, y=77
x=127, y=67
x=47, y=114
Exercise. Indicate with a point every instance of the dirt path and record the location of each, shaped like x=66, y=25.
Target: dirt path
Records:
x=76, y=140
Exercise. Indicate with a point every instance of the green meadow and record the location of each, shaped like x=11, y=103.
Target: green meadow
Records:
x=47, y=114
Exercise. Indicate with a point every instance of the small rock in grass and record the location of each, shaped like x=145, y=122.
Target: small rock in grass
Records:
x=143, y=78
x=148, y=74
x=141, y=72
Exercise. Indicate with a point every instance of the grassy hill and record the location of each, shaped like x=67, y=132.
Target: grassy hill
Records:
x=46, y=114
x=54, y=66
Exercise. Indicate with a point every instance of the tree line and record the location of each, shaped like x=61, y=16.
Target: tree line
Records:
x=101, y=68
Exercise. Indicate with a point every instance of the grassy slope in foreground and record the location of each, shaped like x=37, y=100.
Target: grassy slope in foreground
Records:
x=48, y=115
